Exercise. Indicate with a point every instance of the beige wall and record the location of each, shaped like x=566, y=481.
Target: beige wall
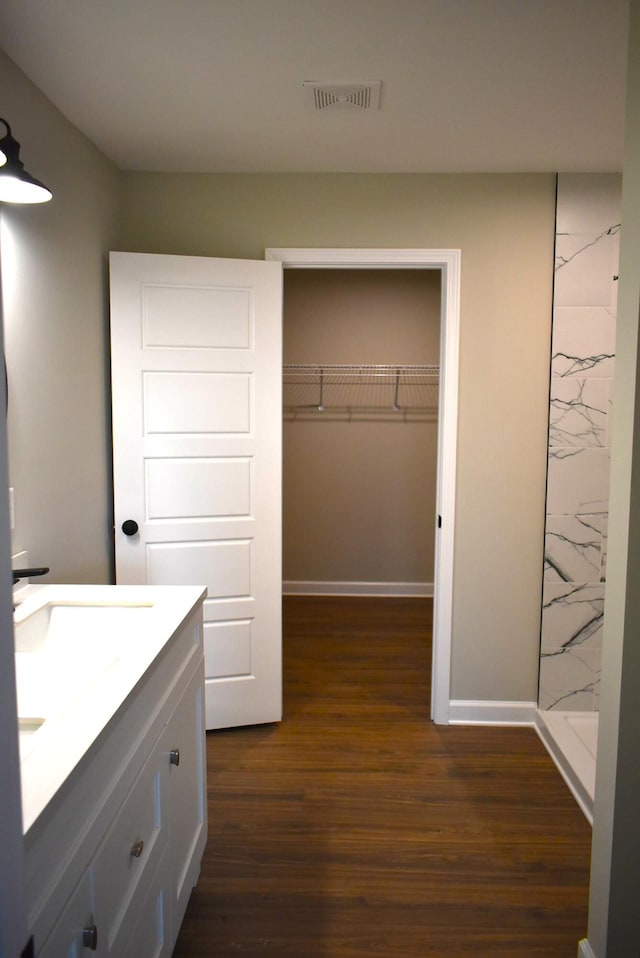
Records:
x=57, y=349
x=360, y=485
x=504, y=226
x=55, y=316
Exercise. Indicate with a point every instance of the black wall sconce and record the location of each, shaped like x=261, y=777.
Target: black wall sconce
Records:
x=16, y=185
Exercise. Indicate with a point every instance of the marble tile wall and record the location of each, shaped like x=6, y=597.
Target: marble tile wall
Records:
x=582, y=369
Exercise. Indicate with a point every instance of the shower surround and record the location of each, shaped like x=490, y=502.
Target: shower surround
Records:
x=582, y=369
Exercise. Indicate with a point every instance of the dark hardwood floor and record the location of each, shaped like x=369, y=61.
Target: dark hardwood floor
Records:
x=358, y=829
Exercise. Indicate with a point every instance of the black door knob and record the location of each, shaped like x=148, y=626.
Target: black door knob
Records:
x=129, y=527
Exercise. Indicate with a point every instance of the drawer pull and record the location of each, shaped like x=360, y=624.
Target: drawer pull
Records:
x=90, y=938
x=136, y=849
x=174, y=756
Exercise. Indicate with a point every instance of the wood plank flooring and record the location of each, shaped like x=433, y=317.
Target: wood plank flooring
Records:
x=358, y=829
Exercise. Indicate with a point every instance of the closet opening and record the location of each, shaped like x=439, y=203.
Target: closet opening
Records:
x=360, y=434
x=440, y=269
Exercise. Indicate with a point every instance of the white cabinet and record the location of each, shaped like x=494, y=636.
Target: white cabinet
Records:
x=75, y=926
x=112, y=862
x=150, y=937
x=183, y=742
x=128, y=855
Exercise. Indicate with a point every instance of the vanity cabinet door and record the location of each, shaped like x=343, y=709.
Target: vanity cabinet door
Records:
x=184, y=747
x=150, y=935
x=128, y=856
x=75, y=933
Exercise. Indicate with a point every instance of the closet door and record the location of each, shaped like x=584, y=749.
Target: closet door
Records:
x=196, y=347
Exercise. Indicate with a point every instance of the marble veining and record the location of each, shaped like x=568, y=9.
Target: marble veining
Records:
x=578, y=480
x=586, y=269
x=565, y=260
x=583, y=343
x=573, y=549
x=572, y=615
x=569, y=365
x=579, y=411
x=569, y=677
x=582, y=368
x=577, y=699
x=568, y=680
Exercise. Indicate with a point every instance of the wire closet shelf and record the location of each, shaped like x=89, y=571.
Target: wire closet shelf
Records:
x=395, y=388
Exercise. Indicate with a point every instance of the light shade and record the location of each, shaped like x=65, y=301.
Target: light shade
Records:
x=16, y=185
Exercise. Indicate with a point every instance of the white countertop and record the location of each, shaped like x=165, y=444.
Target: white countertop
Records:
x=79, y=681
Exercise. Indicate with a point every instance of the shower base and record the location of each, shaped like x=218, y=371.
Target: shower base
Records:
x=571, y=738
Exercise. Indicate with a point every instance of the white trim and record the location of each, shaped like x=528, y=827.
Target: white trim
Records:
x=418, y=589
x=446, y=490
x=347, y=258
x=469, y=712
x=573, y=780
x=585, y=950
x=448, y=261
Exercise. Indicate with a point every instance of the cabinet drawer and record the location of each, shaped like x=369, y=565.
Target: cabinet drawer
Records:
x=129, y=853
x=66, y=939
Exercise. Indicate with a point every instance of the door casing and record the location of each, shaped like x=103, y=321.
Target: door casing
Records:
x=448, y=261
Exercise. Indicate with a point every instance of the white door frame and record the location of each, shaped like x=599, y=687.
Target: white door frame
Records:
x=448, y=261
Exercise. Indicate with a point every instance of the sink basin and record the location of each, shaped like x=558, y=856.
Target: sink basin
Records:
x=62, y=650
x=76, y=627
x=27, y=726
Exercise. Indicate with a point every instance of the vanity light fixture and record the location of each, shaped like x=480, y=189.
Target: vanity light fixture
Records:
x=16, y=185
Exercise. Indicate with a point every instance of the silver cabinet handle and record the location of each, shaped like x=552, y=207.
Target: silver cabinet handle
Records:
x=174, y=756
x=90, y=938
x=136, y=849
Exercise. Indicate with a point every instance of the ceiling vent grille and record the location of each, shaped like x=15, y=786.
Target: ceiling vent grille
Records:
x=343, y=96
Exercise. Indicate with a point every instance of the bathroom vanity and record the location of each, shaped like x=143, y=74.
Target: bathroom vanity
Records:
x=111, y=717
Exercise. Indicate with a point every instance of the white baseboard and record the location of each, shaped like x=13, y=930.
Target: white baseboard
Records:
x=585, y=950
x=464, y=712
x=294, y=587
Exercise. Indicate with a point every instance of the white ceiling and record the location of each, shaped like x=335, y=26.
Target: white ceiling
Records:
x=216, y=85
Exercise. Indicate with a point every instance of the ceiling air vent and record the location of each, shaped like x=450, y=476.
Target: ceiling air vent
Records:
x=343, y=96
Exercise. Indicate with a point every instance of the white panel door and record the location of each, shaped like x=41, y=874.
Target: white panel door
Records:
x=196, y=352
